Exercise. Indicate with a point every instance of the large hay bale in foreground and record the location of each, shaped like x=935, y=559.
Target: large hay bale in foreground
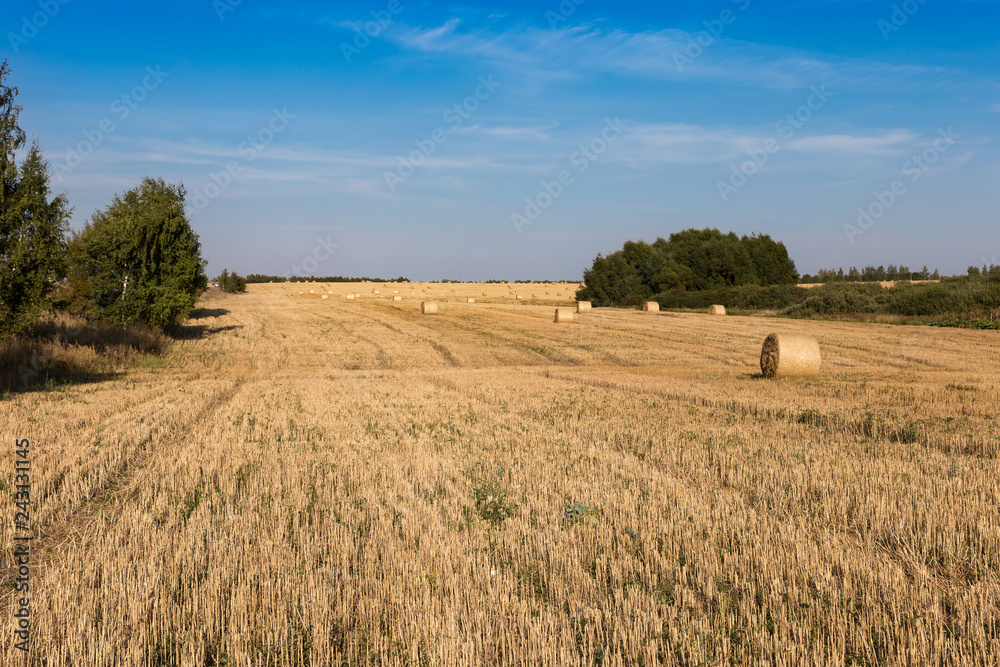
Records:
x=716, y=310
x=428, y=307
x=651, y=307
x=583, y=306
x=790, y=356
x=564, y=315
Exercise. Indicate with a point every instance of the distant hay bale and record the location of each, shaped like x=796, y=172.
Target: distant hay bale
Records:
x=324, y=297
x=375, y=291
x=790, y=356
x=350, y=297
x=716, y=310
x=397, y=298
x=651, y=307
x=583, y=306
x=428, y=307
x=395, y=291
x=519, y=297
x=312, y=291
x=470, y=300
x=301, y=292
x=564, y=315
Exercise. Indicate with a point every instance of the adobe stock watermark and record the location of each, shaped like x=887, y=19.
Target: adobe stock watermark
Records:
x=580, y=160
x=31, y=25
x=740, y=174
x=248, y=150
x=369, y=30
x=223, y=7
x=455, y=117
x=562, y=13
x=323, y=251
x=900, y=16
x=121, y=109
x=704, y=39
x=914, y=169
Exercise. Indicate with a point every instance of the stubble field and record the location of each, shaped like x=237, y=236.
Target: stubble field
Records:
x=316, y=481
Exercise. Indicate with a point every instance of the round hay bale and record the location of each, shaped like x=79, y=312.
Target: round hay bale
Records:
x=397, y=298
x=324, y=297
x=312, y=291
x=395, y=291
x=375, y=291
x=583, y=306
x=564, y=315
x=519, y=297
x=428, y=307
x=470, y=300
x=301, y=292
x=716, y=310
x=790, y=356
x=651, y=307
x=350, y=297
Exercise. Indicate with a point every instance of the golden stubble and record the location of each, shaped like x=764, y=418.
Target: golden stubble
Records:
x=324, y=482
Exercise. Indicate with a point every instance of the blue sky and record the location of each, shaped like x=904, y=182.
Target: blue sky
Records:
x=518, y=140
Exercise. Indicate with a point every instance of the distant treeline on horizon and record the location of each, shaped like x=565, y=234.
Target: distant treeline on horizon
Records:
x=264, y=278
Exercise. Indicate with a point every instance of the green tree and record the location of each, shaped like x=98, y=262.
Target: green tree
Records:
x=139, y=261
x=233, y=283
x=33, y=224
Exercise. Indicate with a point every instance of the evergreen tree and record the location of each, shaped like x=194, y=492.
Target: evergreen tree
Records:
x=33, y=224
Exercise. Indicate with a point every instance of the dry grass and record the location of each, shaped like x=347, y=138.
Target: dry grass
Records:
x=356, y=484
x=67, y=349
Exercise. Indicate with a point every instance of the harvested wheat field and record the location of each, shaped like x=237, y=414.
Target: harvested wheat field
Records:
x=352, y=483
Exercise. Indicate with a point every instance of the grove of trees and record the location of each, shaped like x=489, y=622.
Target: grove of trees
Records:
x=138, y=261
x=232, y=283
x=691, y=260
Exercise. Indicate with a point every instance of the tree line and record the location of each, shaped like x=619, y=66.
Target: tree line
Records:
x=138, y=261
x=871, y=274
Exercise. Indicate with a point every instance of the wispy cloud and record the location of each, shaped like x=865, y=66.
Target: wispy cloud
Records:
x=886, y=144
x=513, y=132
x=581, y=50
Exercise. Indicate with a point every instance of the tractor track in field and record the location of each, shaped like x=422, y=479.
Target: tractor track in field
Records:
x=438, y=347
x=79, y=525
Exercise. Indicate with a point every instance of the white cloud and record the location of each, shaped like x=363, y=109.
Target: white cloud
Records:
x=889, y=143
x=581, y=50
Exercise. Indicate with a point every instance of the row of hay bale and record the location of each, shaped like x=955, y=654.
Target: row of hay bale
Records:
x=781, y=355
x=654, y=307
